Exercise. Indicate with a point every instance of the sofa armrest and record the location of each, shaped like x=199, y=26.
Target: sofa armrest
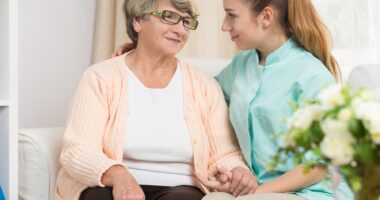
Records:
x=39, y=151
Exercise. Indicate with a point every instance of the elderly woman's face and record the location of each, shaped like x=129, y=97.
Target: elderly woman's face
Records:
x=163, y=36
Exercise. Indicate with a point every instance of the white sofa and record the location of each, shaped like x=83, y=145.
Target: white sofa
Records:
x=39, y=149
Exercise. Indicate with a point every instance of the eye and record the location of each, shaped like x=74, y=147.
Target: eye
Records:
x=231, y=16
x=169, y=15
x=187, y=21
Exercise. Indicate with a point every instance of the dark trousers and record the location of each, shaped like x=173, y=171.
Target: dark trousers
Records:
x=151, y=193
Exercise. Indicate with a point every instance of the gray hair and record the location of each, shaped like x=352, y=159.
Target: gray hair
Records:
x=142, y=8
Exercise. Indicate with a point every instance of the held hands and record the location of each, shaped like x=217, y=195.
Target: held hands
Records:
x=124, y=185
x=238, y=181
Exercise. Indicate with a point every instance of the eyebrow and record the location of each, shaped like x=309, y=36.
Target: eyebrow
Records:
x=229, y=9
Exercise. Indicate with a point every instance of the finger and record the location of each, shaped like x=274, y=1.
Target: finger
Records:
x=252, y=191
x=236, y=178
x=222, y=178
x=241, y=186
x=255, y=184
x=113, y=54
x=246, y=189
x=214, y=173
x=205, y=182
x=224, y=171
x=120, y=51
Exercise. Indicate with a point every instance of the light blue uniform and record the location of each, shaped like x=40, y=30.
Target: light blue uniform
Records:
x=258, y=99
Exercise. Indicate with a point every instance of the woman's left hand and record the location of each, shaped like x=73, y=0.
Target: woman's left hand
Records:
x=243, y=182
x=238, y=181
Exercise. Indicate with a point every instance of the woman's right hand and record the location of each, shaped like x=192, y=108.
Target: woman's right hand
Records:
x=124, y=185
x=123, y=49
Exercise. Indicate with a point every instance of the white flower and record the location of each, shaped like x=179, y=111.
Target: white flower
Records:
x=366, y=95
x=345, y=114
x=304, y=117
x=369, y=112
x=337, y=143
x=331, y=96
x=338, y=147
x=332, y=126
x=290, y=139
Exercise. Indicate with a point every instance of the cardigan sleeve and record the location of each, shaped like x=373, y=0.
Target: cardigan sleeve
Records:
x=224, y=148
x=82, y=155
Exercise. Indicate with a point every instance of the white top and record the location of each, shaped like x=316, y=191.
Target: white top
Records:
x=157, y=147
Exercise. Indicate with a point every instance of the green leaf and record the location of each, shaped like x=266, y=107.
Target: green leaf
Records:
x=365, y=152
x=317, y=132
x=356, y=127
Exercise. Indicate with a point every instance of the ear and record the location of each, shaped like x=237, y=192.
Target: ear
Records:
x=267, y=17
x=136, y=24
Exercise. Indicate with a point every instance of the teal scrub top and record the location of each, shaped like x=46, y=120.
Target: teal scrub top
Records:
x=258, y=99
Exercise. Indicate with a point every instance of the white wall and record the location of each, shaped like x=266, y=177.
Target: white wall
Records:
x=4, y=46
x=54, y=49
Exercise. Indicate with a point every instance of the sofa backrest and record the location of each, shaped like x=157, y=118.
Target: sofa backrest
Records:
x=211, y=66
x=365, y=76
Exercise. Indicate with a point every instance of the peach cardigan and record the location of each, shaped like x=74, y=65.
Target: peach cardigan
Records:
x=94, y=136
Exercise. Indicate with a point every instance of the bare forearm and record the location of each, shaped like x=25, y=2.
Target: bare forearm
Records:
x=294, y=180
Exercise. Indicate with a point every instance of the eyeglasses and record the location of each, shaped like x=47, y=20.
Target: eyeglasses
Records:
x=174, y=18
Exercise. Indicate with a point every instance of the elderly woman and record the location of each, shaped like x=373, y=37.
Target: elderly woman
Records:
x=143, y=123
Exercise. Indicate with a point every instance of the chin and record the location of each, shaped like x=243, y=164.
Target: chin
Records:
x=243, y=47
x=171, y=51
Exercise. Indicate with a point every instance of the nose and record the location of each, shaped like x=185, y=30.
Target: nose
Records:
x=179, y=28
x=226, y=26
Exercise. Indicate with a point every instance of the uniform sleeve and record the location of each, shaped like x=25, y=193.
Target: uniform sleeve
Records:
x=82, y=155
x=313, y=83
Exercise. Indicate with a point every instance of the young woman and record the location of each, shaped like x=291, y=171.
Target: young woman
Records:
x=286, y=57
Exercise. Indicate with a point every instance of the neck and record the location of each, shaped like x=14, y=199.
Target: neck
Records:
x=145, y=60
x=153, y=69
x=272, y=43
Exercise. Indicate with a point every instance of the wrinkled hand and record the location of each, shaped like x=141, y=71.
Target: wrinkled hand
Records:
x=243, y=181
x=124, y=185
x=213, y=183
x=123, y=49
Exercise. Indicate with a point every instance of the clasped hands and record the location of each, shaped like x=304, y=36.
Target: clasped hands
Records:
x=238, y=181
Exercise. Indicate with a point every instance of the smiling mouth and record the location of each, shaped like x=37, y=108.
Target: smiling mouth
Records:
x=234, y=37
x=173, y=40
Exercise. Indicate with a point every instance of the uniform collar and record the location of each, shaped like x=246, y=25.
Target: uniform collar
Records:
x=279, y=54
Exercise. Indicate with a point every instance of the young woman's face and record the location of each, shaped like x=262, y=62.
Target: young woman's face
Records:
x=244, y=26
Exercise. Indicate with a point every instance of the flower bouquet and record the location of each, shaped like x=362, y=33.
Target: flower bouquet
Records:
x=340, y=129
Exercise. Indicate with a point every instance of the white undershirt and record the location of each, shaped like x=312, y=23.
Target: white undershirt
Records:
x=157, y=147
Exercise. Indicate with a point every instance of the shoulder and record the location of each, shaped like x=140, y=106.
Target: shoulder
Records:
x=107, y=70
x=243, y=57
x=310, y=67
